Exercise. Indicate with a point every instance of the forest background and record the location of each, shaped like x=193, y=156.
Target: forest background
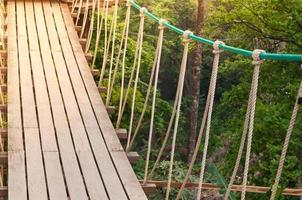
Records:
x=272, y=25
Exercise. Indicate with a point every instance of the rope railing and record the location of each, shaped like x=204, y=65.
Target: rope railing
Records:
x=108, y=78
x=263, y=55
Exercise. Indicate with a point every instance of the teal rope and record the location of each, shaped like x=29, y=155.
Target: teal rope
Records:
x=269, y=56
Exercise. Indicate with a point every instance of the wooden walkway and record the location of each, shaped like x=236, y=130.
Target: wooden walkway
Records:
x=61, y=142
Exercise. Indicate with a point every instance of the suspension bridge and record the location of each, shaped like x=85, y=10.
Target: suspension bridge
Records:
x=57, y=139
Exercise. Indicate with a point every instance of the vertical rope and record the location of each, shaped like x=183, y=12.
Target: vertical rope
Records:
x=85, y=19
x=79, y=12
x=167, y=134
x=106, y=44
x=182, y=73
x=117, y=62
x=257, y=62
x=124, y=58
x=198, y=143
x=114, y=21
x=2, y=29
x=213, y=81
x=241, y=147
x=139, y=55
x=91, y=27
x=146, y=98
x=74, y=3
x=99, y=29
x=123, y=103
x=158, y=56
x=285, y=146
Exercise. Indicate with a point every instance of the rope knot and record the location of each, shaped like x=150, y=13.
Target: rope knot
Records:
x=129, y=3
x=216, y=48
x=142, y=11
x=162, y=23
x=186, y=35
x=256, y=57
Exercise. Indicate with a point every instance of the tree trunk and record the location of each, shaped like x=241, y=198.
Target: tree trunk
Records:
x=194, y=90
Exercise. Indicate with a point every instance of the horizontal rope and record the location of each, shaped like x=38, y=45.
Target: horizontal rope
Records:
x=244, y=52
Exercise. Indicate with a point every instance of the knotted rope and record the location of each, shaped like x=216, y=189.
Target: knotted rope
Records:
x=285, y=146
x=257, y=63
x=182, y=73
x=157, y=64
x=138, y=57
x=213, y=81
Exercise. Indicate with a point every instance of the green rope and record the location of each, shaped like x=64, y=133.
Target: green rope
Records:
x=269, y=56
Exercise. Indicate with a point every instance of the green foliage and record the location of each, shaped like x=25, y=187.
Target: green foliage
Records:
x=273, y=25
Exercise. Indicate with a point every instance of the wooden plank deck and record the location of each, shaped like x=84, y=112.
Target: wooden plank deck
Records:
x=61, y=142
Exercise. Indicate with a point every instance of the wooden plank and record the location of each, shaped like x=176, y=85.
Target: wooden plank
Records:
x=235, y=188
x=133, y=157
x=16, y=165
x=53, y=170
x=3, y=54
x=34, y=164
x=111, y=180
x=3, y=70
x=74, y=180
x=102, y=90
x=89, y=168
x=110, y=109
x=118, y=156
x=3, y=108
x=122, y=133
x=95, y=72
x=3, y=158
x=17, y=181
x=149, y=188
x=3, y=191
